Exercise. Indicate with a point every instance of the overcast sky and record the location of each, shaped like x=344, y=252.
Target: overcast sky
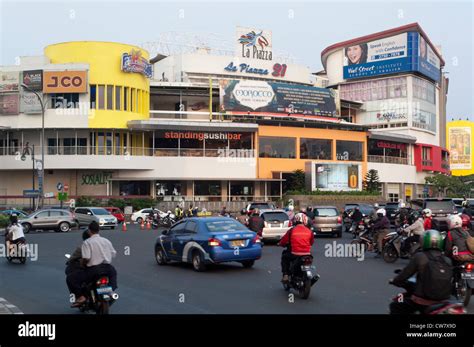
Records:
x=302, y=29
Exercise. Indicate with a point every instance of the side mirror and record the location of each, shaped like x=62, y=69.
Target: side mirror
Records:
x=89, y=213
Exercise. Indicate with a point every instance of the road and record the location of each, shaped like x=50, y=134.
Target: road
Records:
x=347, y=286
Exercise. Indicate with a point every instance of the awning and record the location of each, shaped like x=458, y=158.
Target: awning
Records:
x=389, y=136
x=158, y=124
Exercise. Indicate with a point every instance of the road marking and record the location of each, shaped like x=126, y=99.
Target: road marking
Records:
x=8, y=308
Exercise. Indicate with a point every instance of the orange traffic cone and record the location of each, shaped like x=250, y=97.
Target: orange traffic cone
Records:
x=124, y=226
x=148, y=225
x=142, y=226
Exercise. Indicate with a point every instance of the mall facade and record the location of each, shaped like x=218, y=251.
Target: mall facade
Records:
x=198, y=126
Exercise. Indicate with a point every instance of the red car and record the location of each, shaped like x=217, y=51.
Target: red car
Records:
x=117, y=213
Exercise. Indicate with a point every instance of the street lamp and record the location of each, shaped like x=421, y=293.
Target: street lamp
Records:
x=41, y=168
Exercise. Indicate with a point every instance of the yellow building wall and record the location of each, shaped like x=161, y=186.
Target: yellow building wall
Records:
x=104, y=59
x=468, y=144
x=268, y=165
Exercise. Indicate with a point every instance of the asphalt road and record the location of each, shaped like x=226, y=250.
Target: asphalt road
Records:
x=347, y=286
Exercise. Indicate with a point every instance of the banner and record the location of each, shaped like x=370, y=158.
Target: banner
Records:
x=9, y=104
x=29, y=103
x=337, y=176
x=460, y=146
x=428, y=62
x=33, y=79
x=64, y=82
x=9, y=81
x=272, y=97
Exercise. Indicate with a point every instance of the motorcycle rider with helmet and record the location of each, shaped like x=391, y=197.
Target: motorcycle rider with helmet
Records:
x=356, y=216
x=298, y=241
x=427, y=218
x=420, y=264
x=456, y=246
x=416, y=228
x=403, y=214
x=14, y=233
x=380, y=228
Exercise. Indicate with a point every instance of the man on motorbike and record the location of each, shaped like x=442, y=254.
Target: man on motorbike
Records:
x=97, y=253
x=456, y=246
x=14, y=234
x=298, y=241
x=402, y=215
x=416, y=228
x=380, y=229
x=427, y=218
x=373, y=215
x=356, y=216
x=421, y=298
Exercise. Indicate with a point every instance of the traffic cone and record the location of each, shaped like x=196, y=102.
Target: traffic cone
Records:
x=148, y=225
x=124, y=226
x=142, y=226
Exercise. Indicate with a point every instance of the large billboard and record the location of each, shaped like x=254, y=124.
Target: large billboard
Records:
x=460, y=147
x=9, y=81
x=272, y=97
x=394, y=54
x=33, y=79
x=64, y=82
x=337, y=177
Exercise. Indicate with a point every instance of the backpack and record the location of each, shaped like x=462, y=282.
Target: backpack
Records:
x=437, y=277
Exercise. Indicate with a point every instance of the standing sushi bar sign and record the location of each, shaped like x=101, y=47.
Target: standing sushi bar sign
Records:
x=134, y=62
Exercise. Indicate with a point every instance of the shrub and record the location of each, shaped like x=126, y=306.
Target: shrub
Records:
x=4, y=220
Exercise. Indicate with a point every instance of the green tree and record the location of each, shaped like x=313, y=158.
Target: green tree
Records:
x=371, y=181
x=455, y=186
x=296, y=181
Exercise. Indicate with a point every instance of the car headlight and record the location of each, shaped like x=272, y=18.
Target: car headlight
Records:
x=102, y=220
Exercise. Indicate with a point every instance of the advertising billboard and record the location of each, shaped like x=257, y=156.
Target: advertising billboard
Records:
x=9, y=81
x=65, y=82
x=460, y=147
x=272, y=97
x=428, y=62
x=29, y=103
x=9, y=104
x=337, y=176
x=33, y=79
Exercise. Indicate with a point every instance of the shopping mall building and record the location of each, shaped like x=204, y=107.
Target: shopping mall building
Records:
x=201, y=126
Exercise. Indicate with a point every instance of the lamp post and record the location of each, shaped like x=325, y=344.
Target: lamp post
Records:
x=41, y=168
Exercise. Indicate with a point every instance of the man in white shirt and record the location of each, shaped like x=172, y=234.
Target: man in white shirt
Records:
x=15, y=233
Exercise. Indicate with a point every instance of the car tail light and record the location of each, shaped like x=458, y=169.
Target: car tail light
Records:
x=469, y=267
x=103, y=281
x=214, y=242
x=308, y=261
x=256, y=239
x=339, y=220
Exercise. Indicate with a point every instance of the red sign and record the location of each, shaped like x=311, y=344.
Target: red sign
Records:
x=392, y=145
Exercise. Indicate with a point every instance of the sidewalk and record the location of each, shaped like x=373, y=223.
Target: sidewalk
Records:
x=7, y=308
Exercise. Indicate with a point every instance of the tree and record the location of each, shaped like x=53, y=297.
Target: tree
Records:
x=450, y=185
x=296, y=181
x=371, y=181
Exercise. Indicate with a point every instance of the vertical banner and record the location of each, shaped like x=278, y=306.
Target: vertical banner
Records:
x=9, y=104
x=460, y=147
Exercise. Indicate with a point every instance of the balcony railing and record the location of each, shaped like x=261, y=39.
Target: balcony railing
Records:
x=426, y=162
x=387, y=159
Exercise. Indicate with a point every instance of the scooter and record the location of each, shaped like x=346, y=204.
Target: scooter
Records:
x=463, y=282
x=301, y=277
x=18, y=251
x=393, y=249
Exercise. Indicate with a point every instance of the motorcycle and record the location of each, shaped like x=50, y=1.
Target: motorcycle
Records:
x=347, y=222
x=99, y=295
x=364, y=237
x=167, y=220
x=18, y=251
x=360, y=228
x=301, y=277
x=393, y=249
x=463, y=282
x=442, y=307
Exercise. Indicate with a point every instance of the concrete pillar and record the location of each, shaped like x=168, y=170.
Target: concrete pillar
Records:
x=224, y=190
x=256, y=191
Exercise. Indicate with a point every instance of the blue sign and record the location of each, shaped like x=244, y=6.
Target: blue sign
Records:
x=245, y=68
x=134, y=62
x=59, y=186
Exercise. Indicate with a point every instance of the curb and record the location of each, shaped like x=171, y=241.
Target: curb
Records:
x=8, y=308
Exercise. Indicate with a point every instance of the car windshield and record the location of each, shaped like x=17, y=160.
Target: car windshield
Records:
x=325, y=212
x=446, y=205
x=262, y=206
x=224, y=226
x=349, y=207
x=100, y=211
x=367, y=210
x=275, y=217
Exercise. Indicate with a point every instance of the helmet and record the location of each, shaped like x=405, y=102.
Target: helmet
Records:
x=427, y=212
x=381, y=211
x=454, y=221
x=466, y=220
x=401, y=205
x=376, y=205
x=291, y=208
x=413, y=217
x=300, y=218
x=432, y=240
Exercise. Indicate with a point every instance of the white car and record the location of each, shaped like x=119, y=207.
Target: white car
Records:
x=277, y=223
x=142, y=215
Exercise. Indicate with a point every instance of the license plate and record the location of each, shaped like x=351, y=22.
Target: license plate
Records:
x=326, y=229
x=104, y=290
x=237, y=243
x=467, y=276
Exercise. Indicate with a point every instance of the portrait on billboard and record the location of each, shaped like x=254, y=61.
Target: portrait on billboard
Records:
x=356, y=54
x=460, y=146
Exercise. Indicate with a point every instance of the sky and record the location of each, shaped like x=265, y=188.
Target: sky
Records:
x=301, y=29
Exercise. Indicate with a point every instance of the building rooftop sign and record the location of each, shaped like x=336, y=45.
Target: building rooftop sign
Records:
x=134, y=62
x=254, y=44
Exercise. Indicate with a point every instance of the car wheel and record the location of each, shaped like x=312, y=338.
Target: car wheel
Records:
x=160, y=256
x=139, y=220
x=198, y=261
x=64, y=227
x=248, y=263
x=26, y=227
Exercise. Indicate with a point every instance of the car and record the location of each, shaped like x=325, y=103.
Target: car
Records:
x=19, y=213
x=391, y=209
x=49, y=219
x=86, y=215
x=260, y=206
x=117, y=213
x=327, y=220
x=277, y=223
x=366, y=209
x=208, y=240
x=143, y=214
x=441, y=209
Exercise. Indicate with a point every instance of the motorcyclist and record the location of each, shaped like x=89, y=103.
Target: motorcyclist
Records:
x=298, y=241
x=290, y=212
x=403, y=214
x=151, y=215
x=380, y=229
x=456, y=246
x=255, y=222
x=416, y=228
x=418, y=300
x=356, y=216
x=243, y=218
x=427, y=218
x=373, y=215
x=14, y=234
x=97, y=253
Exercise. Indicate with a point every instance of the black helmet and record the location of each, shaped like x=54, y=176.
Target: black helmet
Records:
x=413, y=217
x=13, y=218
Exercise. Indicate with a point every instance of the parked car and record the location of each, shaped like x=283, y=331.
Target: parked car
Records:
x=208, y=240
x=117, y=213
x=143, y=214
x=86, y=215
x=441, y=209
x=50, y=219
x=276, y=222
x=260, y=206
x=19, y=213
x=327, y=220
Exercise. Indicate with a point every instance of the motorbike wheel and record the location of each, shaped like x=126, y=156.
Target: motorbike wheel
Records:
x=103, y=308
x=463, y=292
x=305, y=291
x=390, y=254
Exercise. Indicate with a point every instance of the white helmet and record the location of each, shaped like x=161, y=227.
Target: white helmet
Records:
x=402, y=205
x=427, y=212
x=454, y=221
x=300, y=218
x=291, y=208
x=381, y=211
x=376, y=205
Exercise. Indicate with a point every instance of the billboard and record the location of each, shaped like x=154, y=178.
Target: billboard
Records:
x=400, y=53
x=460, y=147
x=65, y=82
x=9, y=81
x=9, y=104
x=272, y=97
x=29, y=103
x=337, y=176
x=253, y=44
x=33, y=79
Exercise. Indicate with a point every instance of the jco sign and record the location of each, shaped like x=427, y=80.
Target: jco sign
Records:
x=65, y=81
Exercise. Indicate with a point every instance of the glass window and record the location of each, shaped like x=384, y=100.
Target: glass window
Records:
x=178, y=227
x=110, y=97
x=100, y=143
x=224, y=226
x=168, y=188
x=241, y=188
x=43, y=214
x=125, y=99
x=69, y=146
x=118, y=93
x=52, y=146
x=93, y=96
x=65, y=100
x=134, y=188
x=207, y=188
x=349, y=150
x=101, y=97
x=132, y=100
x=191, y=227
x=191, y=147
x=164, y=145
x=244, y=141
x=315, y=149
x=325, y=212
x=213, y=146
x=55, y=213
x=280, y=217
x=277, y=147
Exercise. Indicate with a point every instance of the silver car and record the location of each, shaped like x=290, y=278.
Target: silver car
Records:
x=86, y=215
x=276, y=224
x=51, y=219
